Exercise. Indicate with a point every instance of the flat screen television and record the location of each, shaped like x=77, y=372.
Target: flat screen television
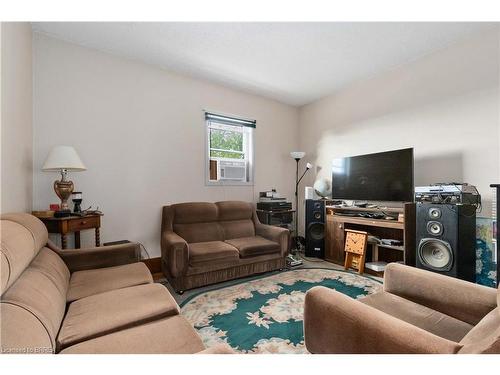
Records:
x=383, y=176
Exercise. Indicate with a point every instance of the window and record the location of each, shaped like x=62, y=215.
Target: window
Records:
x=229, y=150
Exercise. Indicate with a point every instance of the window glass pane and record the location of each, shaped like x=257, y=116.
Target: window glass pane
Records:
x=230, y=142
x=226, y=140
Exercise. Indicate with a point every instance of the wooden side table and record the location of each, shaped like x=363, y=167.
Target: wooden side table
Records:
x=73, y=224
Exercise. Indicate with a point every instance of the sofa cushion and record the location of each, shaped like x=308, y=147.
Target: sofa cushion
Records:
x=234, y=210
x=212, y=251
x=252, y=246
x=423, y=317
x=440, y=292
x=23, y=236
x=51, y=265
x=21, y=332
x=36, y=292
x=194, y=212
x=115, y=310
x=173, y=335
x=237, y=228
x=200, y=232
x=87, y=283
x=485, y=336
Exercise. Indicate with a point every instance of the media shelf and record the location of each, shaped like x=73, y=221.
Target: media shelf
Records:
x=392, y=247
x=338, y=209
x=340, y=218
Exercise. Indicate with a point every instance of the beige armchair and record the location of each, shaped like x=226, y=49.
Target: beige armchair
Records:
x=417, y=312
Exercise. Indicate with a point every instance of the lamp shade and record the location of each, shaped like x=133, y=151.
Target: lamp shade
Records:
x=63, y=157
x=297, y=154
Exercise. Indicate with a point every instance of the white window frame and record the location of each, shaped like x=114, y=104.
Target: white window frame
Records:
x=248, y=150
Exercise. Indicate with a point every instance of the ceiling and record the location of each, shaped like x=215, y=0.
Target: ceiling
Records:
x=294, y=63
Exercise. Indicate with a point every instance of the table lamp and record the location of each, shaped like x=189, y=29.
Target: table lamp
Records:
x=63, y=159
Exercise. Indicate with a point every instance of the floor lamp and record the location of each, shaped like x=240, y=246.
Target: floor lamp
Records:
x=297, y=155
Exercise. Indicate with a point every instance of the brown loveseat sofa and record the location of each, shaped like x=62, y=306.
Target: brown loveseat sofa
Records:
x=65, y=301
x=205, y=243
x=417, y=312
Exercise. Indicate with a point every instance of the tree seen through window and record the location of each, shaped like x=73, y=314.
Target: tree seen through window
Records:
x=226, y=144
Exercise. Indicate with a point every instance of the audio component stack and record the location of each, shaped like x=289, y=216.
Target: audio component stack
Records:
x=448, y=193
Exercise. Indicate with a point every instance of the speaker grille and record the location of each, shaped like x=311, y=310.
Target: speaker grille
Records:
x=435, y=254
x=315, y=228
x=316, y=231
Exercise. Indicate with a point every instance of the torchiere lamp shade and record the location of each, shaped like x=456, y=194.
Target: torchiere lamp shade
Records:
x=297, y=155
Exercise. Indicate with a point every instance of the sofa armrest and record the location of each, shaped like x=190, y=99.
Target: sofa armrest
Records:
x=276, y=234
x=174, y=253
x=337, y=324
x=460, y=299
x=218, y=349
x=100, y=257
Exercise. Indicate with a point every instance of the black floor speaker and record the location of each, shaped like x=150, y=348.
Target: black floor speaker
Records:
x=315, y=228
x=446, y=239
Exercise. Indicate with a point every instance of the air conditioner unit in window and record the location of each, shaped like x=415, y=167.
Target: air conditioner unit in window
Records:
x=232, y=170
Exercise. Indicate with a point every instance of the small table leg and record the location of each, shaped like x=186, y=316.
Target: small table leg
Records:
x=77, y=240
x=97, y=237
x=64, y=241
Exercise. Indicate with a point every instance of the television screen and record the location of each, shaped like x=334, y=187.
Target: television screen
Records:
x=384, y=176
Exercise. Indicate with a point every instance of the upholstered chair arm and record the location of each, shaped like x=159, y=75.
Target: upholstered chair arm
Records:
x=276, y=234
x=99, y=257
x=175, y=253
x=460, y=299
x=218, y=349
x=337, y=324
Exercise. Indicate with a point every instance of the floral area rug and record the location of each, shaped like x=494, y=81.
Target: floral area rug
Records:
x=265, y=315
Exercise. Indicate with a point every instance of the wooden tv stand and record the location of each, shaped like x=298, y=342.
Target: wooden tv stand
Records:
x=337, y=222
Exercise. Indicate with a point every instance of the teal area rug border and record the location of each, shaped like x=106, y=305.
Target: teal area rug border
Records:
x=262, y=276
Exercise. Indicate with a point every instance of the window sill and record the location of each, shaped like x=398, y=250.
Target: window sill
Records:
x=228, y=183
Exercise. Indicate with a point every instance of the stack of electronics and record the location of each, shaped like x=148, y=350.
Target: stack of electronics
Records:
x=272, y=201
x=448, y=193
x=272, y=209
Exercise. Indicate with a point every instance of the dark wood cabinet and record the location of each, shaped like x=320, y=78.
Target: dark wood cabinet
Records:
x=334, y=244
x=403, y=229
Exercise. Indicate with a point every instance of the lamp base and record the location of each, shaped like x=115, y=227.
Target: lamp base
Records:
x=63, y=190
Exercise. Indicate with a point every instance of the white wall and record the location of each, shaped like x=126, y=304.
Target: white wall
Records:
x=140, y=129
x=445, y=105
x=141, y=134
x=16, y=118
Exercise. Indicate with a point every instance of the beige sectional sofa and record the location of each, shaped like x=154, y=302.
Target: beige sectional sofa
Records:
x=205, y=243
x=99, y=300
x=417, y=312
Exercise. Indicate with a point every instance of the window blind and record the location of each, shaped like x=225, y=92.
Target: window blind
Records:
x=226, y=120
